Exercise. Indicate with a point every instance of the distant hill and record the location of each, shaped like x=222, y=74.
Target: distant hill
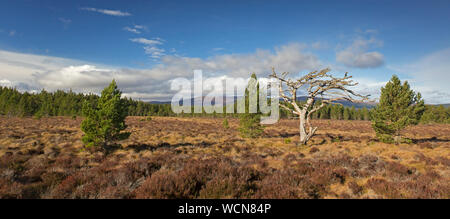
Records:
x=302, y=98
x=159, y=102
x=345, y=103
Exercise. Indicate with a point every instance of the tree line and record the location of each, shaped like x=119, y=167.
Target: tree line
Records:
x=69, y=103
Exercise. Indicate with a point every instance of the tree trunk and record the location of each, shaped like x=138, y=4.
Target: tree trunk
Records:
x=302, y=128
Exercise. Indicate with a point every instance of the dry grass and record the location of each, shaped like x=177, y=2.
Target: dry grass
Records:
x=198, y=158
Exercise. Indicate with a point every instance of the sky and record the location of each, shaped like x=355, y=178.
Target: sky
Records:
x=82, y=45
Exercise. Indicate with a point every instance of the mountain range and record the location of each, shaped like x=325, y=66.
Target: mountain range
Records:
x=345, y=103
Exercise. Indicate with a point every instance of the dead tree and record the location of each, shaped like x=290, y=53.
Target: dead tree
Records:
x=316, y=83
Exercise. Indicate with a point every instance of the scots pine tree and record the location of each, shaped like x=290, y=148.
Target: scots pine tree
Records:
x=365, y=114
x=105, y=119
x=398, y=108
x=347, y=114
x=249, y=123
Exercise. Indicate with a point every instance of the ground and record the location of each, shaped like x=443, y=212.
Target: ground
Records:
x=198, y=158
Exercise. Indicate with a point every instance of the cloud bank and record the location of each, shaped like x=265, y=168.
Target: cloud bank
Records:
x=429, y=75
x=54, y=73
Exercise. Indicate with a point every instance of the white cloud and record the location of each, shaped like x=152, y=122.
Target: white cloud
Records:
x=6, y=83
x=357, y=54
x=145, y=41
x=20, y=86
x=21, y=67
x=107, y=12
x=135, y=28
x=369, y=86
x=430, y=75
x=289, y=58
x=431, y=95
x=154, y=52
x=12, y=33
x=150, y=47
x=73, y=76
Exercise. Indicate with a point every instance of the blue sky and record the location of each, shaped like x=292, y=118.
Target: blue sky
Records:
x=155, y=41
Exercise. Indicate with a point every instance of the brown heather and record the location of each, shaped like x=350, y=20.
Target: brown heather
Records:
x=197, y=158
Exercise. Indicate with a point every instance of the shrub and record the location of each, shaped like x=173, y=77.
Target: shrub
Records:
x=399, y=107
x=106, y=119
x=383, y=187
x=38, y=115
x=225, y=124
x=356, y=189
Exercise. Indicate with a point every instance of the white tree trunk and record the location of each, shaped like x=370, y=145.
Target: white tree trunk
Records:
x=302, y=127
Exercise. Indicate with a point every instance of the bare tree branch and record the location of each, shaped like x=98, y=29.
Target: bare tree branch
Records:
x=316, y=83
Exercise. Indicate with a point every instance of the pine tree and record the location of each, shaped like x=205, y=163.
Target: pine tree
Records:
x=447, y=119
x=435, y=114
x=340, y=112
x=346, y=114
x=106, y=119
x=325, y=112
x=399, y=107
x=140, y=109
x=334, y=114
x=249, y=123
x=352, y=113
x=365, y=114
